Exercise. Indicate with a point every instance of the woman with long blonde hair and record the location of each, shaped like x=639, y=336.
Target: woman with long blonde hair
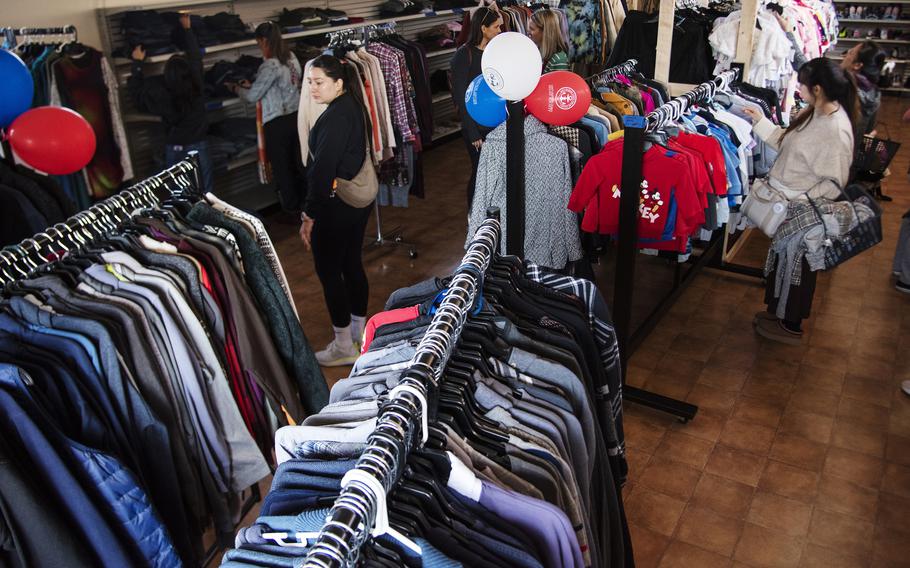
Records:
x=545, y=29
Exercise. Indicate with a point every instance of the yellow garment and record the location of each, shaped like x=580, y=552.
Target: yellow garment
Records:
x=620, y=103
x=615, y=135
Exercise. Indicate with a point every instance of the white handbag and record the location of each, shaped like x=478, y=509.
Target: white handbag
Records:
x=765, y=206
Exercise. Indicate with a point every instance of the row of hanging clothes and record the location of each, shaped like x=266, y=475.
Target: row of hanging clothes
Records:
x=815, y=29
x=76, y=76
x=517, y=461
x=395, y=84
x=699, y=161
x=144, y=371
x=554, y=159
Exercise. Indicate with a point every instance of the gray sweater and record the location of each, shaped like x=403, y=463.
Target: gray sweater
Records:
x=277, y=86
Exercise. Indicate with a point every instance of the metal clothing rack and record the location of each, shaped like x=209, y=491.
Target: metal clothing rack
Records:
x=608, y=75
x=15, y=37
x=636, y=127
x=361, y=504
x=394, y=237
x=82, y=229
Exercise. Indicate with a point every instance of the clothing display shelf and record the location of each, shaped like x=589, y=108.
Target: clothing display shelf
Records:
x=877, y=40
x=871, y=1
x=358, y=507
x=636, y=127
x=876, y=22
x=239, y=182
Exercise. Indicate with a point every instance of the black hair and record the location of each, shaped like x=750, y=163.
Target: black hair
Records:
x=277, y=48
x=181, y=83
x=481, y=17
x=335, y=69
x=872, y=56
x=839, y=86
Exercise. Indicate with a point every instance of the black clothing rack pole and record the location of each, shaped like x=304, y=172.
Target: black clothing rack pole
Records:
x=636, y=127
x=515, y=179
x=354, y=513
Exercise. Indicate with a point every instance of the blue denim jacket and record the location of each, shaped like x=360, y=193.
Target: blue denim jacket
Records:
x=277, y=86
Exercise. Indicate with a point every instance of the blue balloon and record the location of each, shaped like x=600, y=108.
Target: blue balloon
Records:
x=485, y=107
x=16, y=88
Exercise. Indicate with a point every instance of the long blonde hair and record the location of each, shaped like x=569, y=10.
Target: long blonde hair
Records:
x=552, y=40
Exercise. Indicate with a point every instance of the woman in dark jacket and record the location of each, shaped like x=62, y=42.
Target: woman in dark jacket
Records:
x=333, y=229
x=865, y=61
x=485, y=25
x=178, y=99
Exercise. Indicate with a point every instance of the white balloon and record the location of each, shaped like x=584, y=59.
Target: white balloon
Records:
x=511, y=65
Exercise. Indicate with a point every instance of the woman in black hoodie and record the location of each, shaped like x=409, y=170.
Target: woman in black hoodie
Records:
x=865, y=62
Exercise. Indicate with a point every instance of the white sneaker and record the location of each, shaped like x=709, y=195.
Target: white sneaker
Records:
x=335, y=355
x=905, y=386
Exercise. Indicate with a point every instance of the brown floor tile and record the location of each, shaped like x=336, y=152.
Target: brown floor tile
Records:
x=781, y=367
x=711, y=398
x=680, y=367
x=736, y=465
x=747, y=437
x=798, y=451
x=780, y=514
x=683, y=448
x=823, y=358
x=824, y=379
x=706, y=529
x=843, y=325
x=893, y=512
x=757, y=411
x=891, y=548
x=840, y=496
x=723, y=496
x=723, y=378
x=807, y=425
x=789, y=481
x=641, y=434
x=773, y=389
x=876, y=367
x=763, y=548
x=736, y=354
x=706, y=425
x=682, y=555
x=648, y=545
x=693, y=348
x=898, y=450
x=670, y=478
x=852, y=436
x=865, y=413
x=669, y=385
x=637, y=461
x=654, y=510
x=896, y=480
x=815, y=556
x=816, y=401
x=849, y=534
x=868, y=390
x=859, y=468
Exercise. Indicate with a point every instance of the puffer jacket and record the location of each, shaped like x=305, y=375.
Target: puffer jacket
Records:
x=551, y=230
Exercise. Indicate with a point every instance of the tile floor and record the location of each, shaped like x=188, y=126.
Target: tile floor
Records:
x=799, y=456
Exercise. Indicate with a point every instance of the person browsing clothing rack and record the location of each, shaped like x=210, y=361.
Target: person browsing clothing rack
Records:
x=277, y=85
x=545, y=30
x=814, y=157
x=485, y=25
x=333, y=229
x=178, y=99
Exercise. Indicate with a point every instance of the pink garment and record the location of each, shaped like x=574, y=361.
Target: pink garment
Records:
x=384, y=318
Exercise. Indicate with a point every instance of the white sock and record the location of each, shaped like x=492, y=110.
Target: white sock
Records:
x=357, y=325
x=343, y=336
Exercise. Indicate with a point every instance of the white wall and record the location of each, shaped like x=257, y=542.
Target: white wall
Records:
x=53, y=13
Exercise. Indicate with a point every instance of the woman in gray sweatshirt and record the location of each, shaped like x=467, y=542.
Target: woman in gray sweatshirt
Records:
x=814, y=157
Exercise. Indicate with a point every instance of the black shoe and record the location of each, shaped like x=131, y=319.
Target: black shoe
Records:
x=901, y=287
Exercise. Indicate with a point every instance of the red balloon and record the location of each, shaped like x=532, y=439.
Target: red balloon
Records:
x=561, y=98
x=53, y=140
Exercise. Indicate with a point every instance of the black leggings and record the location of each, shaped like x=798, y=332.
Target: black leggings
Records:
x=282, y=146
x=337, y=252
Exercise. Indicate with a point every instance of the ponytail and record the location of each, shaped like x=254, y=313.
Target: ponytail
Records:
x=271, y=33
x=335, y=69
x=838, y=85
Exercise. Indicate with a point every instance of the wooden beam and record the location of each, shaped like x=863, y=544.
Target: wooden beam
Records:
x=664, y=40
